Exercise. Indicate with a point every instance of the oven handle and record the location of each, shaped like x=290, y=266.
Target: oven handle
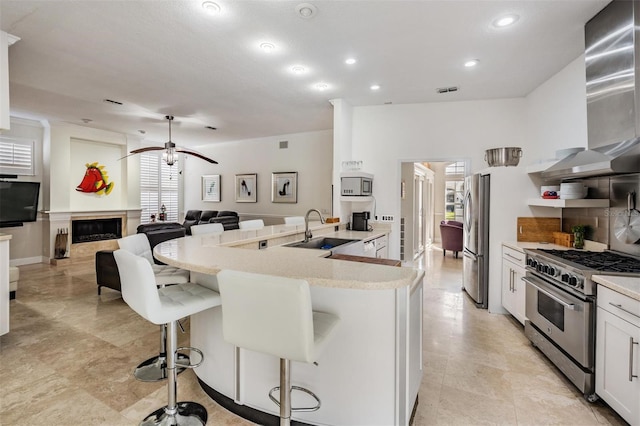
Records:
x=570, y=306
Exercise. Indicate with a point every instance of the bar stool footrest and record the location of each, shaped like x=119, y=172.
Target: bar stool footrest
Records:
x=155, y=369
x=298, y=388
x=180, y=357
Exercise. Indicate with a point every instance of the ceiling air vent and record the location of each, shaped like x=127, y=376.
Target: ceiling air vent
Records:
x=447, y=89
x=284, y=144
x=111, y=101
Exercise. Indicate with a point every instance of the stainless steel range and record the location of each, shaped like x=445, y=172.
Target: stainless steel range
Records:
x=560, y=307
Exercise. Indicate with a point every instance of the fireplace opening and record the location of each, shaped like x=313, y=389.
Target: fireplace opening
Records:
x=83, y=231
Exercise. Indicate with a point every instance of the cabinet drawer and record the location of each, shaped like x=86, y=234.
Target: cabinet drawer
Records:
x=382, y=241
x=515, y=256
x=618, y=304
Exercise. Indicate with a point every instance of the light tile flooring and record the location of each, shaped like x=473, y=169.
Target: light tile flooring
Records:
x=69, y=356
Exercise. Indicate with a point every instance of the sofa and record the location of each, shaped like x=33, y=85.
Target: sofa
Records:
x=229, y=220
x=158, y=232
x=191, y=218
x=207, y=215
x=451, y=232
x=107, y=274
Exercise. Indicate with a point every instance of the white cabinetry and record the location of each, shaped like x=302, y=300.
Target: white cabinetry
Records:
x=6, y=40
x=618, y=353
x=513, y=288
x=382, y=249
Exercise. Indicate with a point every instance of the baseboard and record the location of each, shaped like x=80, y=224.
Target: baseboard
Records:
x=28, y=261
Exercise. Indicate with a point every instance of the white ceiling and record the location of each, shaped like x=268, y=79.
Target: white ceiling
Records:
x=169, y=57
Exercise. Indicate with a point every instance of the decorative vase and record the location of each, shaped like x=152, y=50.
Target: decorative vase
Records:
x=578, y=240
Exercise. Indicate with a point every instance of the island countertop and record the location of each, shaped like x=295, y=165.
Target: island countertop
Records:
x=211, y=253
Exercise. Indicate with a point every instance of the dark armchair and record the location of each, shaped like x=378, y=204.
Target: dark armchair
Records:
x=451, y=233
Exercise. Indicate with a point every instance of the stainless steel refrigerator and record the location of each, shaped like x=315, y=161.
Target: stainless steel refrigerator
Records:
x=475, y=276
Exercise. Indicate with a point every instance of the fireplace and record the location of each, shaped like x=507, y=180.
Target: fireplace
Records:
x=83, y=231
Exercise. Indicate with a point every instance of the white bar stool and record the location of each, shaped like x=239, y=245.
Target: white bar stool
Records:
x=294, y=220
x=273, y=315
x=207, y=228
x=251, y=224
x=154, y=369
x=165, y=306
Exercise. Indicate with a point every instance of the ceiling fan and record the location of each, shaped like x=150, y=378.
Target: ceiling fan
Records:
x=170, y=155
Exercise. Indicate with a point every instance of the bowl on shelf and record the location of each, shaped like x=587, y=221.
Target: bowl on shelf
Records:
x=573, y=190
x=550, y=192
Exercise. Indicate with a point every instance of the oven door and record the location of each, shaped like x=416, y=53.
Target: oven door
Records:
x=564, y=318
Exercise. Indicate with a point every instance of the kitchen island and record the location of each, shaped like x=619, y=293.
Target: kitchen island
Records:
x=371, y=370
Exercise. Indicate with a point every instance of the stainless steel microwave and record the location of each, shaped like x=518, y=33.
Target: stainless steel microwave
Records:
x=356, y=185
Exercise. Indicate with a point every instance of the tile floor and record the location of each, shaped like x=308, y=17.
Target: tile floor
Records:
x=69, y=356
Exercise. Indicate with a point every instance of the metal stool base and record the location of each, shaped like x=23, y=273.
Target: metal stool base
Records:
x=155, y=369
x=188, y=414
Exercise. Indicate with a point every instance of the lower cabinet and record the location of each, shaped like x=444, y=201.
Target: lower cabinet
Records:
x=618, y=353
x=513, y=288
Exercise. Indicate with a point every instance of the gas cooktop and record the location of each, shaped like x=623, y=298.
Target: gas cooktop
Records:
x=605, y=261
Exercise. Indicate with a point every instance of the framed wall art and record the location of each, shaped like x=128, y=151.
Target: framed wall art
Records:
x=247, y=188
x=211, y=188
x=284, y=187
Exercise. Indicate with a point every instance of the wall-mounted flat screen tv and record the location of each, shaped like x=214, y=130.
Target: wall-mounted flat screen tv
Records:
x=18, y=202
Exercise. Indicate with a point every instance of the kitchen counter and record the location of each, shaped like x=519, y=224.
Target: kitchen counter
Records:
x=377, y=346
x=521, y=246
x=238, y=250
x=629, y=286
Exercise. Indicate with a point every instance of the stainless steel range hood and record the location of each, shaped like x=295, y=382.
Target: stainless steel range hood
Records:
x=612, y=59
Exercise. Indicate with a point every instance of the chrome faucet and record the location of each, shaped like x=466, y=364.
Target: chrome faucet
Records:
x=307, y=233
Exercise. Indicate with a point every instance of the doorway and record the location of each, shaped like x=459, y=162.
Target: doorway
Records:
x=430, y=193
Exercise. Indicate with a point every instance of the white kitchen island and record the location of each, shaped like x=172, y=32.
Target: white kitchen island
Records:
x=370, y=373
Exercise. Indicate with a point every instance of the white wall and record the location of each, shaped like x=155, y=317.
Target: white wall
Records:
x=385, y=136
x=310, y=154
x=23, y=237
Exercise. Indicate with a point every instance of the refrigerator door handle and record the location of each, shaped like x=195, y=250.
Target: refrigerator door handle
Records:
x=472, y=256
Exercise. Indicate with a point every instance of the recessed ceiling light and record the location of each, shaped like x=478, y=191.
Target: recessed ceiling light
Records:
x=375, y=87
x=267, y=47
x=322, y=86
x=298, y=69
x=306, y=10
x=471, y=63
x=210, y=7
x=350, y=61
x=142, y=132
x=210, y=128
x=86, y=120
x=505, y=21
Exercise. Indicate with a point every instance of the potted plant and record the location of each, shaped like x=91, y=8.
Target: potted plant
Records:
x=578, y=235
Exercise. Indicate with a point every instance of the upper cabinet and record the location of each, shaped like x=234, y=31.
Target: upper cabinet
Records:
x=6, y=40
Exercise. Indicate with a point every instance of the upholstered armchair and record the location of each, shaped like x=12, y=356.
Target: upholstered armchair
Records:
x=451, y=233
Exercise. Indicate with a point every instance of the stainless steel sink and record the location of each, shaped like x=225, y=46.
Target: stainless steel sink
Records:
x=321, y=243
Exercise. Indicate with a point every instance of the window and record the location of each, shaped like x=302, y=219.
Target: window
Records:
x=158, y=187
x=16, y=156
